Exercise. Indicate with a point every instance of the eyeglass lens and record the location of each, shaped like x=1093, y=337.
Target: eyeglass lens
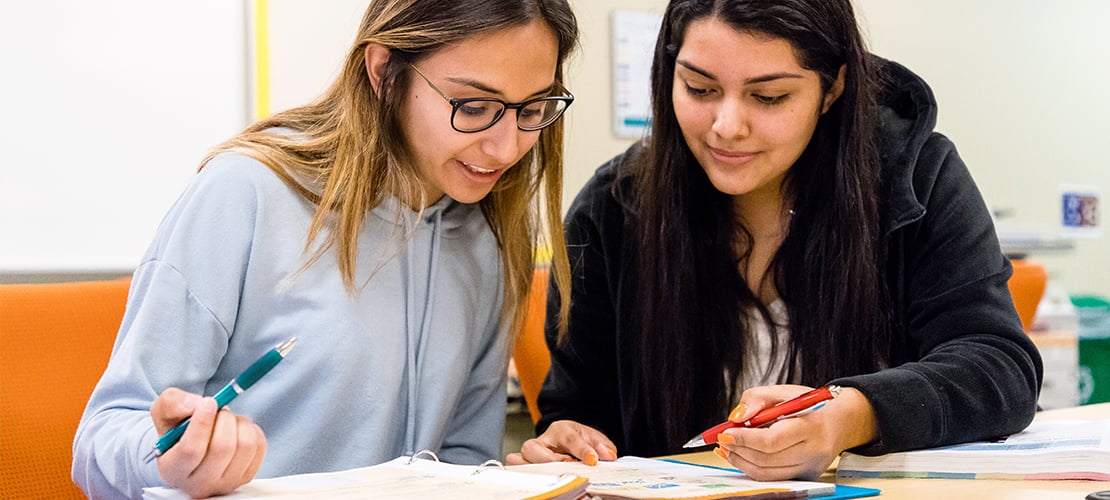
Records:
x=476, y=115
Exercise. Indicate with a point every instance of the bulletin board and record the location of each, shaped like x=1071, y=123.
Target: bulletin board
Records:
x=108, y=108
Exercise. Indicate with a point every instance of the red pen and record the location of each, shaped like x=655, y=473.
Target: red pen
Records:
x=808, y=402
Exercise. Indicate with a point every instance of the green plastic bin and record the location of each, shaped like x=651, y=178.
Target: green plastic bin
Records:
x=1094, y=348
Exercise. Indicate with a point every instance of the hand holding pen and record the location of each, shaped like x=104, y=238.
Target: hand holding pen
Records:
x=237, y=385
x=808, y=402
x=795, y=448
x=221, y=451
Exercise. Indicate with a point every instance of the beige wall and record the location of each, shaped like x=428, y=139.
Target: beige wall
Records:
x=1022, y=90
x=1021, y=87
x=308, y=42
x=590, y=137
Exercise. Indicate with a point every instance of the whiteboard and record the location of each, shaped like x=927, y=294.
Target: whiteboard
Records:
x=107, y=109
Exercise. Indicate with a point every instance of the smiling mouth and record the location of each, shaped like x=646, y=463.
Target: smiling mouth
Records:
x=732, y=157
x=730, y=154
x=476, y=169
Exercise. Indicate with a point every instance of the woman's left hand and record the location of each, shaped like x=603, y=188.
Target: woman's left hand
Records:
x=796, y=448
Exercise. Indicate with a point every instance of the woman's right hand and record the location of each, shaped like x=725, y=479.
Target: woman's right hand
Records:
x=218, y=452
x=565, y=441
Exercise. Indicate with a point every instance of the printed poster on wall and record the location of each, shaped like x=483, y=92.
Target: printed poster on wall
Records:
x=633, y=45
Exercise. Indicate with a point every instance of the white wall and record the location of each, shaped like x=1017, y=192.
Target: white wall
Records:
x=106, y=108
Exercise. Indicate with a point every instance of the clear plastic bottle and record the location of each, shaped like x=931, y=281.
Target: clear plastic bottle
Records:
x=1055, y=331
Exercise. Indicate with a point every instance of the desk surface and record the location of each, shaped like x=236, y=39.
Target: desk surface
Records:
x=966, y=488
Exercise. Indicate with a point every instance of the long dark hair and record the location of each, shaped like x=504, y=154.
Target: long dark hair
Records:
x=691, y=297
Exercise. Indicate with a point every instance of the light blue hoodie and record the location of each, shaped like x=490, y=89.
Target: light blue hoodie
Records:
x=416, y=359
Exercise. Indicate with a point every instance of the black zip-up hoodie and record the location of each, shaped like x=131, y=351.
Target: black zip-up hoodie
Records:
x=963, y=368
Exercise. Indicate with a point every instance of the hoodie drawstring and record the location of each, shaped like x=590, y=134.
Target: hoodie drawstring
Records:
x=418, y=343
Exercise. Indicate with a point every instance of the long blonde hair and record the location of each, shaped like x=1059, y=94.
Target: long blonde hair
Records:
x=349, y=142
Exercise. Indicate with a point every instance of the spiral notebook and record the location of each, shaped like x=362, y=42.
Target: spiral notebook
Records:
x=628, y=478
x=409, y=478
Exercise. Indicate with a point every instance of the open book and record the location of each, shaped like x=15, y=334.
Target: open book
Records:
x=628, y=478
x=1055, y=449
x=644, y=478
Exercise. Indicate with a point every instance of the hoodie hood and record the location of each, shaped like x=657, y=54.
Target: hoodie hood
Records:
x=907, y=116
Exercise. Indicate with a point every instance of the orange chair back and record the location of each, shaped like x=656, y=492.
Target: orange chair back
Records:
x=55, y=340
x=1027, y=286
x=530, y=354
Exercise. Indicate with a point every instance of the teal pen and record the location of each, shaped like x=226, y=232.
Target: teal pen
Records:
x=237, y=385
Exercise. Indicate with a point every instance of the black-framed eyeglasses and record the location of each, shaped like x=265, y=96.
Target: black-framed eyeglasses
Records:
x=476, y=114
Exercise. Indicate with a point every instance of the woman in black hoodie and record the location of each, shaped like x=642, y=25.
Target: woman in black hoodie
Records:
x=793, y=221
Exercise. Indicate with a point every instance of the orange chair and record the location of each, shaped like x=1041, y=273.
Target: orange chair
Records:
x=55, y=340
x=530, y=354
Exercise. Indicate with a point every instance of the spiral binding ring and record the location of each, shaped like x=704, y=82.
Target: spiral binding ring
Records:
x=488, y=463
x=422, y=452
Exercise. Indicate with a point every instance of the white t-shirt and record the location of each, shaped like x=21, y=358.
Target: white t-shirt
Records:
x=760, y=368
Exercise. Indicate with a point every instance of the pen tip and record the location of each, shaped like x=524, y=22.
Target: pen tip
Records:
x=150, y=455
x=694, y=443
x=286, y=346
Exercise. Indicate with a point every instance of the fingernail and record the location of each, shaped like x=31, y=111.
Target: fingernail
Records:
x=726, y=438
x=612, y=450
x=720, y=452
x=591, y=459
x=569, y=459
x=738, y=412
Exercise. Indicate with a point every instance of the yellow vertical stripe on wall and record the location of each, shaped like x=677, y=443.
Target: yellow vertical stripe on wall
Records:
x=261, y=60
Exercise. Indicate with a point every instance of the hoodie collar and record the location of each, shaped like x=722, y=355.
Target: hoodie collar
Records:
x=450, y=213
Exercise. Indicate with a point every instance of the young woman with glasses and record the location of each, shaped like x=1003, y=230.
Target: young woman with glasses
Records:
x=390, y=226
x=792, y=222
